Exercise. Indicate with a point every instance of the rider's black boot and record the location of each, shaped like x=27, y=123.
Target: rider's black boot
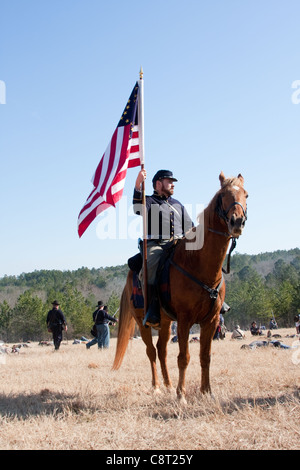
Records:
x=152, y=317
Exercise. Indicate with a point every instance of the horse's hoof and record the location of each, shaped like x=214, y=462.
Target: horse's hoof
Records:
x=182, y=400
x=171, y=390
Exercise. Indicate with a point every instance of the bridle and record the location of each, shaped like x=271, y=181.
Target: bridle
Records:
x=223, y=214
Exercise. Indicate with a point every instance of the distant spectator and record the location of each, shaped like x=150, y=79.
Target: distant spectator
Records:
x=273, y=324
x=174, y=328
x=255, y=330
x=56, y=323
x=217, y=333
x=297, y=324
x=237, y=333
x=101, y=319
x=221, y=328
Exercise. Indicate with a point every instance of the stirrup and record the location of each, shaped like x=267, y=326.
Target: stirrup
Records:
x=155, y=323
x=155, y=326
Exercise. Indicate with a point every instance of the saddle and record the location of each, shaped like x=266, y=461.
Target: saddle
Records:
x=135, y=264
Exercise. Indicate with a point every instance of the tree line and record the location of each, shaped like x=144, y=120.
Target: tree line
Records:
x=256, y=297
x=26, y=320
x=258, y=287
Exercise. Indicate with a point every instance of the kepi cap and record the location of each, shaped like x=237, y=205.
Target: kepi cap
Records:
x=161, y=174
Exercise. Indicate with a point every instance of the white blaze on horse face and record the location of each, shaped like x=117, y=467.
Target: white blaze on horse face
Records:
x=237, y=188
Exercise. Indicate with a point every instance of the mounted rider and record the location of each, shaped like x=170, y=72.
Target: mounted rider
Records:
x=167, y=219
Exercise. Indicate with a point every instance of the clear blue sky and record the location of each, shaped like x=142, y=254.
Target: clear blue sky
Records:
x=218, y=78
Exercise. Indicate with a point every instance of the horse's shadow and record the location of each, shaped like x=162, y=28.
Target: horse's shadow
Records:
x=210, y=405
x=45, y=402
x=48, y=403
x=264, y=403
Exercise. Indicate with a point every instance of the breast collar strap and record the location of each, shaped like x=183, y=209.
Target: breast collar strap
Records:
x=212, y=292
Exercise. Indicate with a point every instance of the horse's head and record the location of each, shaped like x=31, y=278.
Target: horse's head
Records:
x=231, y=204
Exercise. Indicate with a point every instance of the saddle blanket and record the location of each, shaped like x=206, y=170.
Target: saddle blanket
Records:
x=163, y=288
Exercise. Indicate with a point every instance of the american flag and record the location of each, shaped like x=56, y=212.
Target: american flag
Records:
x=109, y=178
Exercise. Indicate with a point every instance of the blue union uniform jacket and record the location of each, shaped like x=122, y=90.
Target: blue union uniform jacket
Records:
x=167, y=217
x=100, y=317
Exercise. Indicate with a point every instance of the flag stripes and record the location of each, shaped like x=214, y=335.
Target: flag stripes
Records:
x=109, y=178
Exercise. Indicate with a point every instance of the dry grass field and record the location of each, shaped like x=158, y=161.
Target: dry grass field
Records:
x=70, y=399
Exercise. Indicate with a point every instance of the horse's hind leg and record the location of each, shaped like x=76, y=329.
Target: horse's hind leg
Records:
x=146, y=335
x=164, y=336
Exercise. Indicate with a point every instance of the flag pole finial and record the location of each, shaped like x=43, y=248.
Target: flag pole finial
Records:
x=141, y=73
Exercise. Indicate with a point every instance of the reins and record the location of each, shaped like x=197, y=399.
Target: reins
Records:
x=233, y=245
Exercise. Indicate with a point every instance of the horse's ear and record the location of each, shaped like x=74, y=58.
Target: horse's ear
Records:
x=222, y=178
x=240, y=177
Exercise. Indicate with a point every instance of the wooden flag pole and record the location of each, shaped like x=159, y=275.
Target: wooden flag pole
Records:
x=142, y=158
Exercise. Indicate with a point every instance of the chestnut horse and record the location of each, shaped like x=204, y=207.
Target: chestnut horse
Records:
x=196, y=285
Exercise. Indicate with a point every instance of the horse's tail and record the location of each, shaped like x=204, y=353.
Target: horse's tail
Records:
x=126, y=325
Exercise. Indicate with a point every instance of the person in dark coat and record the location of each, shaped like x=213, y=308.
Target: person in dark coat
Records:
x=56, y=323
x=167, y=219
x=255, y=330
x=101, y=319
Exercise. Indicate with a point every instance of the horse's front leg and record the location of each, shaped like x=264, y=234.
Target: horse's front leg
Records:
x=206, y=336
x=183, y=359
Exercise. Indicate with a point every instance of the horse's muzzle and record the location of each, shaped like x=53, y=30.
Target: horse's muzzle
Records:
x=236, y=225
